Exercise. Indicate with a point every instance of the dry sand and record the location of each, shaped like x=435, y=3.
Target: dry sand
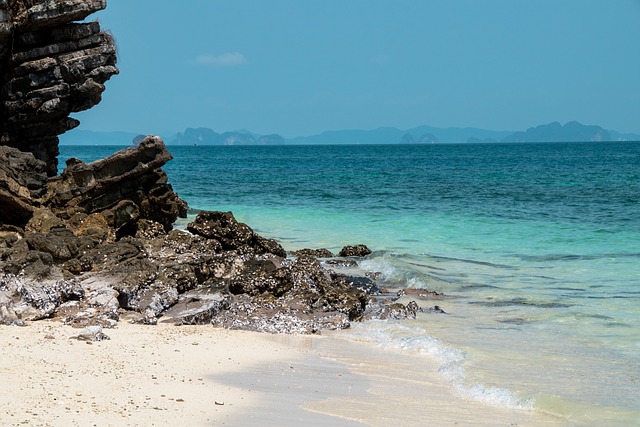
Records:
x=169, y=375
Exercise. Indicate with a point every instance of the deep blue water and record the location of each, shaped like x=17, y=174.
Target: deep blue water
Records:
x=594, y=183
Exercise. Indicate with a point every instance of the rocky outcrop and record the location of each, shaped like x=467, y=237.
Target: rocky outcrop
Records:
x=225, y=275
x=125, y=188
x=108, y=198
x=50, y=66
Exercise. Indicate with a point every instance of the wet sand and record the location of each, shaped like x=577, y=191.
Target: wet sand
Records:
x=204, y=376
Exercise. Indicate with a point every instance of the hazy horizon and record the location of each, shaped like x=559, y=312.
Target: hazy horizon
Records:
x=301, y=68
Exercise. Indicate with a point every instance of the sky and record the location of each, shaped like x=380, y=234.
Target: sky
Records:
x=300, y=67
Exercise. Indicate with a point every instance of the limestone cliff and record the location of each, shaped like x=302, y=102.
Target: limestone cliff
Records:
x=50, y=66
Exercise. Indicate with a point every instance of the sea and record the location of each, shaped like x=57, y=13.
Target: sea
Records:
x=534, y=247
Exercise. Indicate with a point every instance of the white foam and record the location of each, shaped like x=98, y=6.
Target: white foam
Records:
x=380, y=265
x=395, y=336
x=401, y=277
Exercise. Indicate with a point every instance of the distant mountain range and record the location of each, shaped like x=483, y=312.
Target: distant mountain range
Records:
x=552, y=132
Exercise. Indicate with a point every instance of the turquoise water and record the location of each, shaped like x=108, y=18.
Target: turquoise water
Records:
x=536, y=246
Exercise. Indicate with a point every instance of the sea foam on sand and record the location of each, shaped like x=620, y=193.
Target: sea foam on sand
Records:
x=200, y=375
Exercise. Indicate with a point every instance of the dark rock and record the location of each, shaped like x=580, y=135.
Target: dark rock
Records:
x=93, y=227
x=314, y=286
x=315, y=253
x=21, y=260
x=259, y=276
x=25, y=299
x=147, y=229
x=373, y=275
x=249, y=314
x=354, y=251
x=364, y=284
x=51, y=67
x=384, y=310
x=198, y=308
x=42, y=221
x=233, y=235
x=60, y=246
x=344, y=263
x=22, y=183
x=124, y=188
x=436, y=309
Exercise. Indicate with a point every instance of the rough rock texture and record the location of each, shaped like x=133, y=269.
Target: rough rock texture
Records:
x=125, y=187
x=357, y=251
x=22, y=184
x=233, y=235
x=179, y=277
x=315, y=253
x=50, y=67
x=124, y=194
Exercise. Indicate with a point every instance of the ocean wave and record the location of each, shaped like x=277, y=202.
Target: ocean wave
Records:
x=398, y=271
x=398, y=337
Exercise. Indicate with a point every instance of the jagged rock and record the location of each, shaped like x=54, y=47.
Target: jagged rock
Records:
x=99, y=305
x=24, y=299
x=233, y=235
x=197, y=308
x=60, y=243
x=261, y=276
x=93, y=227
x=316, y=253
x=319, y=290
x=50, y=67
x=247, y=313
x=125, y=188
x=42, y=221
x=147, y=229
x=342, y=263
x=435, y=309
x=383, y=310
x=420, y=293
x=355, y=251
x=22, y=183
x=365, y=284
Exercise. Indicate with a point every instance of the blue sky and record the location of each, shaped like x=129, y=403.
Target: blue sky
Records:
x=299, y=67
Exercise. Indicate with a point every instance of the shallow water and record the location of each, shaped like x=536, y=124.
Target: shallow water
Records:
x=535, y=246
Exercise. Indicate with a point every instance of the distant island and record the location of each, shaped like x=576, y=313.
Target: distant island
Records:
x=553, y=132
x=206, y=136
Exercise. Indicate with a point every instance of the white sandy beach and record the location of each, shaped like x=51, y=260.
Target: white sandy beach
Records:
x=203, y=376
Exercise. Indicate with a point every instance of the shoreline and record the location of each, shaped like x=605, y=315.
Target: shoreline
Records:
x=167, y=374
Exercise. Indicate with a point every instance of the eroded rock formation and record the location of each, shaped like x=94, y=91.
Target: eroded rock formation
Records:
x=50, y=66
x=124, y=188
x=117, y=193
x=72, y=274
